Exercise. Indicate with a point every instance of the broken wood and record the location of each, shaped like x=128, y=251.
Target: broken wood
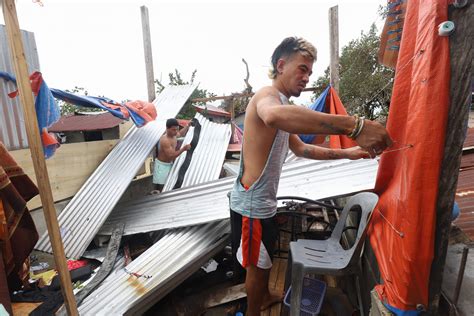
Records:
x=225, y=295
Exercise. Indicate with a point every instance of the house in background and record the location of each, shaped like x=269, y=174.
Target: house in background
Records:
x=78, y=128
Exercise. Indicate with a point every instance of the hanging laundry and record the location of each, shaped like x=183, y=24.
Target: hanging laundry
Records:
x=140, y=112
x=47, y=111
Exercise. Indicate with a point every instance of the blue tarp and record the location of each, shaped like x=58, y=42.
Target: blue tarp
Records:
x=90, y=102
x=319, y=106
x=47, y=112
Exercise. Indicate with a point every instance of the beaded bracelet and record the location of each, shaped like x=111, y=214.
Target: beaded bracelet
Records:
x=359, y=125
x=356, y=125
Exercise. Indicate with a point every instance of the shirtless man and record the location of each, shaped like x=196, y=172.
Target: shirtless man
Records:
x=167, y=152
x=271, y=126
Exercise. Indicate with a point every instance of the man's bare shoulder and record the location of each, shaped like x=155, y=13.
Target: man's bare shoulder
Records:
x=267, y=91
x=164, y=139
x=266, y=94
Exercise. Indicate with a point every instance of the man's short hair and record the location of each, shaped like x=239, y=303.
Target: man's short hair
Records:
x=288, y=47
x=171, y=122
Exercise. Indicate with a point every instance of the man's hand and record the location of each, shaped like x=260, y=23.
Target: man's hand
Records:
x=186, y=147
x=374, y=138
x=355, y=153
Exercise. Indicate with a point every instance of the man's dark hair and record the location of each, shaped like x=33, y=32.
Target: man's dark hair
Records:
x=171, y=122
x=288, y=47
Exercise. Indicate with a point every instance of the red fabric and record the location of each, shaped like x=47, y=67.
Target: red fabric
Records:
x=336, y=107
x=36, y=79
x=48, y=139
x=251, y=239
x=402, y=226
x=76, y=264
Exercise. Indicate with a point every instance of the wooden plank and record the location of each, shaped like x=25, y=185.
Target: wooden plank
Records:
x=226, y=295
x=461, y=55
x=24, y=309
x=274, y=273
x=279, y=285
x=334, y=47
x=150, y=77
x=34, y=141
x=68, y=169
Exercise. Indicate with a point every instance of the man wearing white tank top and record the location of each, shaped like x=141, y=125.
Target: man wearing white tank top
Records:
x=271, y=126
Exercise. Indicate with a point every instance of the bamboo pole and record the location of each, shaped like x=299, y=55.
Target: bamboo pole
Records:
x=37, y=155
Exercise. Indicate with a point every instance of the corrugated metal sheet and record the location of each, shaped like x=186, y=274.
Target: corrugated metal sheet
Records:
x=84, y=215
x=232, y=169
x=291, y=157
x=12, y=127
x=169, y=262
x=208, y=156
x=465, y=199
x=469, y=141
x=465, y=188
x=208, y=202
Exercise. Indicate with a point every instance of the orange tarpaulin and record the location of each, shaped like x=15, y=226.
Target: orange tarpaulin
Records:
x=333, y=105
x=402, y=229
x=336, y=107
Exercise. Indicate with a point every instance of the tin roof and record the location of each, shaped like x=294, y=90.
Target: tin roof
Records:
x=72, y=123
x=208, y=202
x=166, y=264
x=212, y=110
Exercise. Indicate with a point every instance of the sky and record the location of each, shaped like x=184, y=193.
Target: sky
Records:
x=98, y=45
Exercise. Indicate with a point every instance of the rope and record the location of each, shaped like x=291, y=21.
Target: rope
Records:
x=401, y=234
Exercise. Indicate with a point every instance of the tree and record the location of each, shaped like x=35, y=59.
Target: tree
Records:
x=188, y=111
x=365, y=85
x=237, y=103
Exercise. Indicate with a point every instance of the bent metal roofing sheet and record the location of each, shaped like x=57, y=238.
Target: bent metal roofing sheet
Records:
x=167, y=263
x=208, y=156
x=208, y=202
x=84, y=215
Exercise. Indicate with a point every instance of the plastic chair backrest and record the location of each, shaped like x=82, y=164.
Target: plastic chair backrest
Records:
x=366, y=201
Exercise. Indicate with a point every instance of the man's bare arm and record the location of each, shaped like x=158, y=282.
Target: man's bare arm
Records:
x=320, y=153
x=301, y=120
x=183, y=131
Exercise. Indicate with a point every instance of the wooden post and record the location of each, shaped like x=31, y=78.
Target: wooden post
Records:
x=37, y=155
x=461, y=75
x=334, y=47
x=150, y=78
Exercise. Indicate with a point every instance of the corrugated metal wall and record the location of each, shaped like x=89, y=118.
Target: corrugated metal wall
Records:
x=12, y=128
